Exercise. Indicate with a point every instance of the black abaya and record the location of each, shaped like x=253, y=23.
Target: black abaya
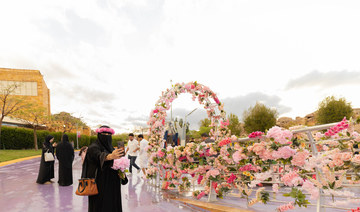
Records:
x=108, y=182
x=46, y=171
x=65, y=155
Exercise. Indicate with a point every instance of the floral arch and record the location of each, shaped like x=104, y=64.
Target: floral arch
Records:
x=305, y=165
x=203, y=94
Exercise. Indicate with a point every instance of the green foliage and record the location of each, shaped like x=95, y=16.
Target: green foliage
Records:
x=205, y=122
x=259, y=118
x=66, y=122
x=300, y=198
x=193, y=134
x=204, y=130
x=333, y=110
x=23, y=138
x=234, y=124
x=265, y=197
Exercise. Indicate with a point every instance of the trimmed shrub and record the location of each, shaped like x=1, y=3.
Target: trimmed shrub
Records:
x=23, y=138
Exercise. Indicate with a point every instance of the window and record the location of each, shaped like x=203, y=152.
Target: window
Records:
x=23, y=89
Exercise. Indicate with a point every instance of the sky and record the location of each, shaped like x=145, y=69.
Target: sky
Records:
x=107, y=61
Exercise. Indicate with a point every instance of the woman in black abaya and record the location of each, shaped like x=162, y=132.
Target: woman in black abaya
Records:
x=65, y=155
x=98, y=161
x=46, y=171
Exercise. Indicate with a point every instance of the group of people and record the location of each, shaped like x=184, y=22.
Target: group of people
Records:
x=97, y=161
x=137, y=149
x=64, y=154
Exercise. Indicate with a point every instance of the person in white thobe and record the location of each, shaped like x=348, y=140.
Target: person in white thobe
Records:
x=143, y=155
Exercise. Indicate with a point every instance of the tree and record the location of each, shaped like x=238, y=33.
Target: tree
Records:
x=35, y=116
x=234, y=124
x=205, y=122
x=333, y=110
x=65, y=122
x=259, y=118
x=9, y=103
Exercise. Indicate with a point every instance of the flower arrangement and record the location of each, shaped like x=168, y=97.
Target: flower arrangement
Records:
x=198, y=195
x=279, y=151
x=337, y=128
x=355, y=210
x=288, y=206
x=120, y=165
x=256, y=134
x=225, y=142
x=105, y=130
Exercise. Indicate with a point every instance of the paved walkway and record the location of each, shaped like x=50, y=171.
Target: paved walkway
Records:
x=19, y=192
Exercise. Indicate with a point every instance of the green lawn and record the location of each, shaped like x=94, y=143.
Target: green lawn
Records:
x=6, y=155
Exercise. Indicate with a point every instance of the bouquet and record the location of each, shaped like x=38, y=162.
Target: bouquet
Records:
x=120, y=165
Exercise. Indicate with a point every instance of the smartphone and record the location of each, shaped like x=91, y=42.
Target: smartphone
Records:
x=120, y=145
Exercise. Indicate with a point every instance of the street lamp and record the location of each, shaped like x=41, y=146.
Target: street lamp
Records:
x=184, y=128
x=77, y=136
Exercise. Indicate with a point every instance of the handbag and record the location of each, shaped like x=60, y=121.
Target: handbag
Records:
x=87, y=186
x=48, y=156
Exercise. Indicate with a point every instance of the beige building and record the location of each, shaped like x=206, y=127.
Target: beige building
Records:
x=30, y=83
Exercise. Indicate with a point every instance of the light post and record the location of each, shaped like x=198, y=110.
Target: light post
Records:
x=171, y=105
x=63, y=132
x=77, y=136
x=184, y=128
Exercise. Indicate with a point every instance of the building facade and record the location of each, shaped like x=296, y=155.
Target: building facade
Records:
x=30, y=84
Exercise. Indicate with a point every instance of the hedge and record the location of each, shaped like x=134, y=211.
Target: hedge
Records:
x=23, y=138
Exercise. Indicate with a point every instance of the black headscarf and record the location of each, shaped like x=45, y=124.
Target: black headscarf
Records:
x=47, y=141
x=65, y=138
x=65, y=152
x=105, y=141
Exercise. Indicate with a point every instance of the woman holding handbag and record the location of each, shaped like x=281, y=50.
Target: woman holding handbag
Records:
x=46, y=171
x=98, y=162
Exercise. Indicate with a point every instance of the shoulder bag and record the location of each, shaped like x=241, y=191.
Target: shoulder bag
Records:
x=87, y=186
x=48, y=156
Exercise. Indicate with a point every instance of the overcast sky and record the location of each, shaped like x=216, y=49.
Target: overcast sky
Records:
x=109, y=60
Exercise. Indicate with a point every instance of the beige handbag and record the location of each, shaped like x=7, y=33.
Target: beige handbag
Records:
x=48, y=156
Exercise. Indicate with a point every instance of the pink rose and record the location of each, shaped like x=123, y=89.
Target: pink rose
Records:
x=160, y=153
x=256, y=134
x=275, y=188
x=213, y=173
x=356, y=159
x=200, y=195
x=299, y=158
x=258, y=148
x=286, y=207
x=121, y=164
x=346, y=156
x=200, y=178
x=237, y=156
x=309, y=187
x=231, y=178
x=284, y=152
x=291, y=179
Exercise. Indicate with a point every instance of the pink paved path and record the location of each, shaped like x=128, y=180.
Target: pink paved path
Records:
x=19, y=192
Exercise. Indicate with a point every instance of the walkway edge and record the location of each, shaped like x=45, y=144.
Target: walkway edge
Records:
x=21, y=159
x=18, y=160
x=211, y=206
